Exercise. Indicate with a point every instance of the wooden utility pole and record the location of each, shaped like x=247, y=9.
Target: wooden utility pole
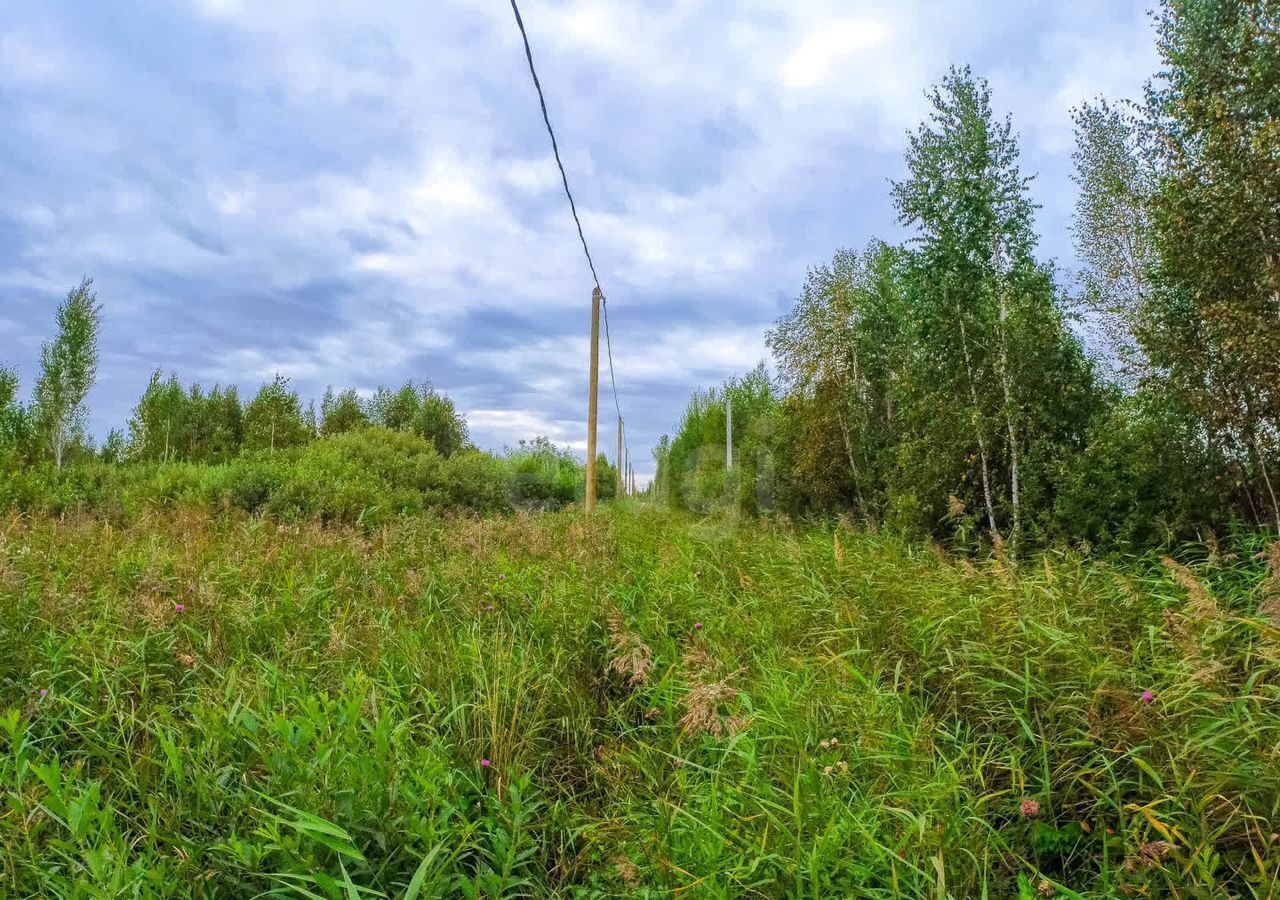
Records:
x=591, y=400
x=626, y=471
x=621, y=490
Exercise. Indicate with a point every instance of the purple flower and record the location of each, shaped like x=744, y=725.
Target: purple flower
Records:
x=1147, y=696
x=179, y=607
x=44, y=692
x=484, y=763
x=697, y=626
x=502, y=576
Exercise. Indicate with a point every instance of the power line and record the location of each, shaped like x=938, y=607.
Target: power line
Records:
x=555, y=148
x=608, y=345
x=573, y=207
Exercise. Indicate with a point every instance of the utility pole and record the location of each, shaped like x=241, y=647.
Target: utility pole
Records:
x=728, y=430
x=626, y=470
x=621, y=490
x=591, y=400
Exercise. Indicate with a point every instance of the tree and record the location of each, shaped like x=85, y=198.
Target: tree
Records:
x=691, y=466
x=439, y=421
x=395, y=409
x=69, y=365
x=1112, y=230
x=423, y=410
x=14, y=421
x=995, y=376
x=342, y=412
x=158, y=421
x=838, y=356
x=114, y=448
x=274, y=418
x=1212, y=121
x=606, y=478
x=224, y=416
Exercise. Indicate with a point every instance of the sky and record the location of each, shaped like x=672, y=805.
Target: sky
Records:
x=361, y=193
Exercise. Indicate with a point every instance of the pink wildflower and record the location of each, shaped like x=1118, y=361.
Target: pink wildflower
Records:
x=179, y=607
x=484, y=763
x=1030, y=808
x=44, y=692
x=1147, y=696
x=697, y=626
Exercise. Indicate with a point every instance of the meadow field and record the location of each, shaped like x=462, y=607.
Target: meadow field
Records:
x=199, y=703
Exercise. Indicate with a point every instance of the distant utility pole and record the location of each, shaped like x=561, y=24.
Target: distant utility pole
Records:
x=621, y=490
x=626, y=469
x=728, y=429
x=591, y=400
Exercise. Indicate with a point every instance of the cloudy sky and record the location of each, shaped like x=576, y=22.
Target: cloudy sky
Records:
x=360, y=193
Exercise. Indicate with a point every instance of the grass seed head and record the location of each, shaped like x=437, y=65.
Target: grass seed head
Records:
x=632, y=657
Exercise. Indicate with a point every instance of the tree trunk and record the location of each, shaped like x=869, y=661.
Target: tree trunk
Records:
x=1266, y=479
x=977, y=426
x=853, y=466
x=1006, y=383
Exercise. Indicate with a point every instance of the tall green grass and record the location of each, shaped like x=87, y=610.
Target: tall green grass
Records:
x=222, y=705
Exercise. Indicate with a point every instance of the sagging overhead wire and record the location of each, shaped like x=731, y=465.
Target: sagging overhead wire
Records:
x=573, y=207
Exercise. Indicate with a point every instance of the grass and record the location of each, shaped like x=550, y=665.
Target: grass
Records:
x=196, y=704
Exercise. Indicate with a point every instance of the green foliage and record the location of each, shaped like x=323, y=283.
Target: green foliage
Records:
x=68, y=367
x=541, y=475
x=691, y=471
x=115, y=448
x=936, y=389
x=171, y=423
x=840, y=352
x=1214, y=331
x=1112, y=231
x=341, y=412
x=15, y=421
x=369, y=477
x=1146, y=479
x=314, y=716
x=997, y=387
x=274, y=418
x=422, y=410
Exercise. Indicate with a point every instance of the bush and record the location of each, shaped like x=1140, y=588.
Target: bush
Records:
x=541, y=475
x=367, y=476
x=1145, y=479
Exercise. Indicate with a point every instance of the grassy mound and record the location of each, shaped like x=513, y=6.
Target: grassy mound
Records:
x=222, y=705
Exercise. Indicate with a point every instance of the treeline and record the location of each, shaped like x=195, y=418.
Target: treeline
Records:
x=352, y=459
x=939, y=387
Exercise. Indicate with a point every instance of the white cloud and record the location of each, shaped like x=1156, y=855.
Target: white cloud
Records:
x=507, y=427
x=809, y=64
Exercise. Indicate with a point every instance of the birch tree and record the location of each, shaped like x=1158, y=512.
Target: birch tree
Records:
x=996, y=373
x=68, y=368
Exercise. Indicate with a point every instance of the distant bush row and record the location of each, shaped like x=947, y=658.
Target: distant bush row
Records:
x=366, y=476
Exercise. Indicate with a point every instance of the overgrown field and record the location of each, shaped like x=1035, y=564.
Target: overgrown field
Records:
x=645, y=705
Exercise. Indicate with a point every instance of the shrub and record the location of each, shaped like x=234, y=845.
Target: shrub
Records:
x=368, y=476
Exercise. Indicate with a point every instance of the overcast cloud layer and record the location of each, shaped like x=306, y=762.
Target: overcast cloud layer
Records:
x=359, y=193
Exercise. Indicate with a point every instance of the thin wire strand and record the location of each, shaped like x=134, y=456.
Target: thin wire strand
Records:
x=555, y=148
x=573, y=207
x=608, y=346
